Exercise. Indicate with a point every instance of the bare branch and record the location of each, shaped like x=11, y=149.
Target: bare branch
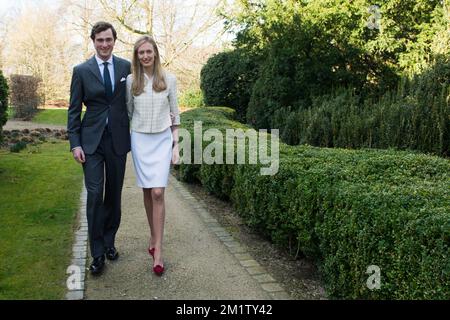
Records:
x=122, y=17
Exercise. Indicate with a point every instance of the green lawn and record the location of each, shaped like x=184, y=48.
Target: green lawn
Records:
x=39, y=198
x=52, y=116
x=10, y=112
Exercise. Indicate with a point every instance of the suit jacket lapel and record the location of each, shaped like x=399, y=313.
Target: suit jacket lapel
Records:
x=117, y=73
x=93, y=66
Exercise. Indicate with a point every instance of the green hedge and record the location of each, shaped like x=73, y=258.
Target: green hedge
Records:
x=415, y=116
x=305, y=53
x=192, y=97
x=217, y=117
x=3, y=102
x=348, y=209
x=227, y=79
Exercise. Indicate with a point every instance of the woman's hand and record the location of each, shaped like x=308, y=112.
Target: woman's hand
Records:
x=175, y=153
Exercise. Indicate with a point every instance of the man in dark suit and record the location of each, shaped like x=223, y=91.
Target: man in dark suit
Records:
x=101, y=141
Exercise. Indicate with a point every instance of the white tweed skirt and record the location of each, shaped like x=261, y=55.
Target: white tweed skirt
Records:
x=152, y=154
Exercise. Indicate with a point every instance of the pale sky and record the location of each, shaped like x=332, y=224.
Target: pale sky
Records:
x=8, y=5
x=11, y=7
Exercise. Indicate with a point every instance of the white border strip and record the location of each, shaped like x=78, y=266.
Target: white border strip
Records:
x=77, y=269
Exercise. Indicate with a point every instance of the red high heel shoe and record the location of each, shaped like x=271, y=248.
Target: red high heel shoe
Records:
x=158, y=270
x=151, y=251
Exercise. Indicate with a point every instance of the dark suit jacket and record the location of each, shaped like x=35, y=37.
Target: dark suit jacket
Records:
x=87, y=87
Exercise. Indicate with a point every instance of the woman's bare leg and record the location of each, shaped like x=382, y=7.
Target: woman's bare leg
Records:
x=158, y=223
x=148, y=204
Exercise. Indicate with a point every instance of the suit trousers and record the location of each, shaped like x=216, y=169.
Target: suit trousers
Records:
x=104, y=173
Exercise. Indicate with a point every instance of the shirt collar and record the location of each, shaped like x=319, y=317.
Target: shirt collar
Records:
x=100, y=61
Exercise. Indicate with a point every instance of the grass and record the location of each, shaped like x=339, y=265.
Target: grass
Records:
x=52, y=116
x=39, y=198
x=10, y=112
x=47, y=116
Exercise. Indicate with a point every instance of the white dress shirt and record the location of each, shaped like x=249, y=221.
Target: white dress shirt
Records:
x=110, y=68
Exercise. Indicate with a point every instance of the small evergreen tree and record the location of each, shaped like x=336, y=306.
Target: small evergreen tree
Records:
x=3, y=102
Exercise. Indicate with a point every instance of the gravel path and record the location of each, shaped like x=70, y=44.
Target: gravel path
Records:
x=202, y=260
x=20, y=125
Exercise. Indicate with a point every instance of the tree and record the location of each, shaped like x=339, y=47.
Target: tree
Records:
x=227, y=80
x=2, y=40
x=402, y=36
x=3, y=102
x=187, y=32
x=4, y=27
x=42, y=48
x=309, y=48
x=81, y=16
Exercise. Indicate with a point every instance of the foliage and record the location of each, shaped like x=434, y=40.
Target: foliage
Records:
x=400, y=24
x=315, y=62
x=17, y=147
x=416, y=116
x=210, y=118
x=306, y=51
x=24, y=95
x=3, y=102
x=227, y=79
x=38, y=47
x=191, y=98
x=10, y=112
x=348, y=209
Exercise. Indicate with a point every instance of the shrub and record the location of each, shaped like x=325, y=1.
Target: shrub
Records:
x=17, y=147
x=24, y=95
x=227, y=79
x=191, y=98
x=348, y=209
x=306, y=60
x=414, y=116
x=210, y=118
x=3, y=102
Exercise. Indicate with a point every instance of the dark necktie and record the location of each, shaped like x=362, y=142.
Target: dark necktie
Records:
x=107, y=82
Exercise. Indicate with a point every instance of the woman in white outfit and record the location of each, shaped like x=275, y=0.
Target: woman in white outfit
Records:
x=153, y=110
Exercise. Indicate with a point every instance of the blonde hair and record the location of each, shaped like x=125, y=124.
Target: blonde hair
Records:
x=159, y=83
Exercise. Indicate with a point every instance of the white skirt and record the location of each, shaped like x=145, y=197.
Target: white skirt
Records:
x=152, y=154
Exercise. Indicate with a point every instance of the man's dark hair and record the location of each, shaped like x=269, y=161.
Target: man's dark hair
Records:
x=102, y=26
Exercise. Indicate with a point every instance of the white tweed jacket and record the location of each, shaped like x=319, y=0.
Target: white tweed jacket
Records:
x=150, y=111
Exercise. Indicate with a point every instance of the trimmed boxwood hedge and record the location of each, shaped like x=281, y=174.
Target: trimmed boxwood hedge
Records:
x=348, y=209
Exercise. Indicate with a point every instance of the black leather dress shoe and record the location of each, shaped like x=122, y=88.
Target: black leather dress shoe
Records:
x=112, y=253
x=97, y=265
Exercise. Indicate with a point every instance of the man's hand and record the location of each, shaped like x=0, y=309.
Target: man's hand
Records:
x=78, y=155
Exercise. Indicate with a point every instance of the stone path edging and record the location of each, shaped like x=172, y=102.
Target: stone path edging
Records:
x=79, y=250
x=238, y=250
